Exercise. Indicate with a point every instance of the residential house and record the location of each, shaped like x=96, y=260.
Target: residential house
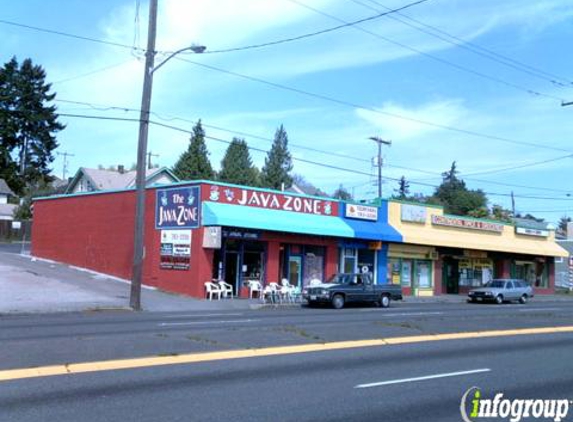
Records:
x=564, y=266
x=6, y=209
x=92, y=180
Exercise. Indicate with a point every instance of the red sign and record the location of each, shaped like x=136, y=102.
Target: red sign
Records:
x=269, y=200
x=465, y=223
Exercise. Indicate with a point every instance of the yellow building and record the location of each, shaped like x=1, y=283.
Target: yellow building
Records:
x=447, y=254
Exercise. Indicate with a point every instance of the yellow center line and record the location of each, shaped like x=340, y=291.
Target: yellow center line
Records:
x=111, y=365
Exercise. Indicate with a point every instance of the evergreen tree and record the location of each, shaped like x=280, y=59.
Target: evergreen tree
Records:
x=237, y=166
x=562, y=225
x=278, y=164
x=456, y=198
x=403, y=189
x=27, y=125
x=194, y=163
x=342, y=193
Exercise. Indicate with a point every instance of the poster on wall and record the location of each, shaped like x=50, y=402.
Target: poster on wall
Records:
x=177, y=208
x=212, y=237
x=175, y=251
x=406, y=273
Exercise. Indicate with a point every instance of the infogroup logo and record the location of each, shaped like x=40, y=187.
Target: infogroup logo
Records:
x=474, y=406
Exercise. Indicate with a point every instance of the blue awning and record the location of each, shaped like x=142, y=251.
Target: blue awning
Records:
x=373, y=230
x=216, y=214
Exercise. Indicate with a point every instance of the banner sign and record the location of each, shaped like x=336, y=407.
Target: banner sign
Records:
x=466, y=223
x=175, y=252
x=177, y=208
x=413, y=213
x=361, y=212
x=270, y=200
x=532, y=232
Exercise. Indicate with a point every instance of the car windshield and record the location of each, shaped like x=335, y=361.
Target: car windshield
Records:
x=496, y=284
x=340, y=279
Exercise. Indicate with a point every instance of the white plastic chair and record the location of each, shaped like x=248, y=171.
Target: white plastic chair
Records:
x=212, y=289
x=272, y=292
x=226, y=289
x=287, y=290
x=255, y=286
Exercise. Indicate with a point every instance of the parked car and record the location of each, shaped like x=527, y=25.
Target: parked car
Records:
x=502, y=290
x=345, y=288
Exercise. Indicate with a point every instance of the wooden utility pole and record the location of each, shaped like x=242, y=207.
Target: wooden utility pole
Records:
x=149, y=155
x=65, y=154
x=138, y=244
x=380, y=141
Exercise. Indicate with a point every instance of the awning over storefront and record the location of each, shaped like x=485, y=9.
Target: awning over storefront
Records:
x=370, y=230
x=216, y=214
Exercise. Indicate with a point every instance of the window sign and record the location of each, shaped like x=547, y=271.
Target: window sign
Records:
x=177, y=208
x=406, y=273
x=413, y=213
x=361, y=212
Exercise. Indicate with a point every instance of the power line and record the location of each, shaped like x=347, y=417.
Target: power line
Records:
x=354, y=171
x=551, y=160
x=65, y=34
x=313, y=34
x=469, y=46
x=93, y=72
x=433, y=57
x=372, y=109
x=250, y=135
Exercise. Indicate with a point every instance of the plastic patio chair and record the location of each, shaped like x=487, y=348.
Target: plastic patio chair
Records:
x=226, y=289
x=212, y=289
x=255, y=287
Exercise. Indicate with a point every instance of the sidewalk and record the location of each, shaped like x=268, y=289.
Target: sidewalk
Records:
x=28, y=285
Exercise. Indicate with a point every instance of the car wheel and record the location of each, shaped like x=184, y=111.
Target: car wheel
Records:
x=523, y=299
x=384, y=301
x=338, y=302
x=499, y=299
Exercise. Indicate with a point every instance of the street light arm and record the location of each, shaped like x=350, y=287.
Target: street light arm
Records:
x=195, y=48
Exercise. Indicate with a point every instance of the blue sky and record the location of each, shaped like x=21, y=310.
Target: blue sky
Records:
x=390, y=80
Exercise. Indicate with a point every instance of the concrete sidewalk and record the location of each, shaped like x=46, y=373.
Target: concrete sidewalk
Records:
x=28, y=285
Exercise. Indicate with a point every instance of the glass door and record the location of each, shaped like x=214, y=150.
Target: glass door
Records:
x=295, y=270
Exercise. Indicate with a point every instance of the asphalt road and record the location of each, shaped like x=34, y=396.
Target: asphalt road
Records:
x=305, y=386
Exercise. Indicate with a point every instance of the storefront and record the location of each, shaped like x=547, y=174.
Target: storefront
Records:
x=464, y=252
x=199, y=231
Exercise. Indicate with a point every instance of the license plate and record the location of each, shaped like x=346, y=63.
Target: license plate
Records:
x=479, y=299
x=312, y=297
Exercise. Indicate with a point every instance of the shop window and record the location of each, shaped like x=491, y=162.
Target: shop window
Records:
x=313, y=267
x=349, y=260
x=366, y=261
x=423, y=274
x=406, y=273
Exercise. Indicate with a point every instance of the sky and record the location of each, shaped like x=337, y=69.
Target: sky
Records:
x=478, y=82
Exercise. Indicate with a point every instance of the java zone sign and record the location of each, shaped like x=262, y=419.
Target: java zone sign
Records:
x=178, y=208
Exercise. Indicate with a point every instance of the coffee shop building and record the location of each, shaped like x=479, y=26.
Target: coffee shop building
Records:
x=199, y=231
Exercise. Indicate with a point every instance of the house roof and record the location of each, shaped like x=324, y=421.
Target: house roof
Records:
x=5, y=189
x=7, y=210
x=527, y=223
x=114, y=180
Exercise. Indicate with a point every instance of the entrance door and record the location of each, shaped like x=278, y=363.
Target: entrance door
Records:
x=232, y=263
x=295, y=270
x=451, y=276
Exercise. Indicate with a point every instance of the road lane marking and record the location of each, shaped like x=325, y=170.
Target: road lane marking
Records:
x=427, y=377
x=540, y=309
x=202, y=315
x=231, y=321
x=412, y=314
x=146, y=362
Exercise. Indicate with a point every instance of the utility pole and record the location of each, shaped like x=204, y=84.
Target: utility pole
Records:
x=138, y=243
x=149, y=155
x=380, y=141
x=65, y=154
x=512, y=204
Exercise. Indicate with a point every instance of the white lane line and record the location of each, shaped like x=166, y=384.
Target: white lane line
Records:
x=232, y=321
x=411, y=314
x=540, y=309
x=202, y=315
x=428, y=377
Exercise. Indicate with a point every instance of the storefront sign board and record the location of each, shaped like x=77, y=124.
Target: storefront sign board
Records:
x=177, y=208
x=413, y=213
x=466, y=223
x=175, y=252
x=532, y=232
x=270, y=200
x=241, y=234
x=361, y=212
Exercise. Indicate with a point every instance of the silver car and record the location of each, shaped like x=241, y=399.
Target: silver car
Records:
x=502, y=290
